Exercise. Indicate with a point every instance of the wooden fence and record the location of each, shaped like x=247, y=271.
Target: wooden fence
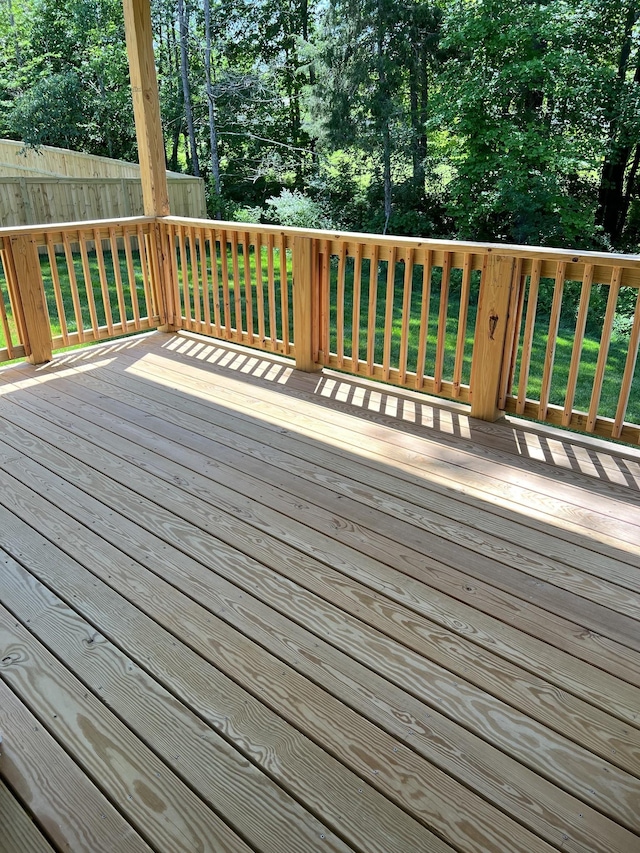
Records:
x=46, y=200
x=57, y=185
x=475, y=323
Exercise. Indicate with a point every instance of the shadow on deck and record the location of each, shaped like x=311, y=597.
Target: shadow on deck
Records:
x=245, y=608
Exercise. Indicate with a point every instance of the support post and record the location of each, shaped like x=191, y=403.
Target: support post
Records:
x=303, y=313
x=488, y=365
x=146, y=107
x=35, y=314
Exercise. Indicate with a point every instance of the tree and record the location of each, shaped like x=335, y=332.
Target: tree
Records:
x=517, y=99
x=622, y=116
x=71, y=83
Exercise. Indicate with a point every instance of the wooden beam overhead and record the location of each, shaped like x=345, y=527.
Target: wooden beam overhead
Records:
x=146, y=107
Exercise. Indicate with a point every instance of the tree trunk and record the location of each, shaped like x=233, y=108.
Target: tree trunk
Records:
x=613, y=196
x=417, y=90
x=186, y=89
x=16, y=41
x=213, y=133
x=384, y=119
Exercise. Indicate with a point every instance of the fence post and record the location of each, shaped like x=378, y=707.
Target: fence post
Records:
x=28, y=278
x=487, y=365
x=304, y=283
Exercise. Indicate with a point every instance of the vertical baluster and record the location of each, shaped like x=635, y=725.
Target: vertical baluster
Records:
x=215, y=281
x=463, y=314
x=406, y=315
x=529, y=329
x=226, y=299
x=271, y=293
x=427, y=270
x=442, y=322
x=248, y=289
x=57, y=290
x=340, y=285
x=554, y=322
x=257, y=242
x=355, y=320
x=3, y=311
x=86, y=269
x=284, y=292
x=145, y=255
x=605, y=340
x=578, y=341
x=117, y=275
x=388, y=314
x=104, y=285
x=325, y=297
x=237, y=287
x=512, y=337
x=186, y=289
x=373, y=310
x=206, y=296
x=131, y=276
x=73, y=284
x=629, y=369
x=195, y=277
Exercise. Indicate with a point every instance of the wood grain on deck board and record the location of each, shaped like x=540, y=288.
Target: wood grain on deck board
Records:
x=342, y=797
x=222, y=777
x=613, y=793
x=390, y=446
x=482, y=668
x=436, y=529
x=71, y=810
x=461, y=452
x=165, y=811
x=18, y=832
x=607, y=693
x=588, y=645
x=534, y=801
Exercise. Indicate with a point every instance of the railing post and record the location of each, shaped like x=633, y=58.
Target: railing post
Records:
x=25, y=261
x=303, y=314
x=162, y=282
x=488, y=365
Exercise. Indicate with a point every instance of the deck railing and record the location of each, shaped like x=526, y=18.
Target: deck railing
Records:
x=526, y=330
x=79, y=283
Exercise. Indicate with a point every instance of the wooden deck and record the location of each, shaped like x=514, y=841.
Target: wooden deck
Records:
x=244, y=608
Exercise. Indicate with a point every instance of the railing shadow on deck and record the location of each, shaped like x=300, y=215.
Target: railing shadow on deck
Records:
x=420, y=414
x=406, y=411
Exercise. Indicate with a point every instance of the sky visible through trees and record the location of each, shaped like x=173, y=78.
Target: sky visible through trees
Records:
x=500, y=120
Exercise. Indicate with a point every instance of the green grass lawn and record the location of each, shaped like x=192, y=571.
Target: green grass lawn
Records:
x=615, y=363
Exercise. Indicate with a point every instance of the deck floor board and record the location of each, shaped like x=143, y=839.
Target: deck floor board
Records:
x=389, y=649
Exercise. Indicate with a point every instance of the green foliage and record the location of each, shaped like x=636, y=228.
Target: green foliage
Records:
x=297, y=210
x=478, y=119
